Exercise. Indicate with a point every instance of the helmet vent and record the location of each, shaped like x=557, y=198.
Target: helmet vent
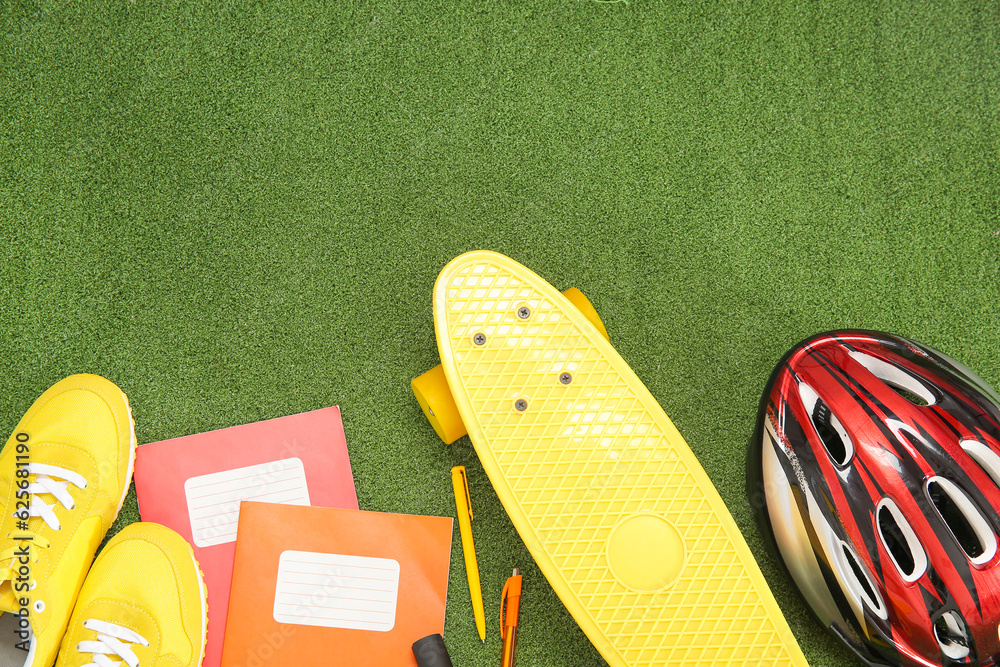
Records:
x=863, y=584
x=951, y=635
x=829, y=429
x=900, y=541
x=964, y=520
x=822, y=419
x=897, y=379
x=909, y=395
x=985, y=457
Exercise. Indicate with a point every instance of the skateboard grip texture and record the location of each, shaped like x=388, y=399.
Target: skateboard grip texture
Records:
x=430, y=652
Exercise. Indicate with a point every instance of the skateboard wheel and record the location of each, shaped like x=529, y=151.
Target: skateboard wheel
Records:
x=434, y=397
x=583, y=304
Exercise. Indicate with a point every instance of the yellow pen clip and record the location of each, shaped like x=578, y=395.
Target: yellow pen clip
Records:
x=460, y=470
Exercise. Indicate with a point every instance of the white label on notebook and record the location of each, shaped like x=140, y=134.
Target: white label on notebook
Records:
x=214, y=500
x=336, y=591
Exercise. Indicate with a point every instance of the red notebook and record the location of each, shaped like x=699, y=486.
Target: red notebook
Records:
x=319, y=586
x=195, y=484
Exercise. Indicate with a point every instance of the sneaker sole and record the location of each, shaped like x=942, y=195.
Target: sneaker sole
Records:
x=131, y=457
x=202, y=591
x=204, y=604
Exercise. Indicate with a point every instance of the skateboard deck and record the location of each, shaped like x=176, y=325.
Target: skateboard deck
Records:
x=610, y=501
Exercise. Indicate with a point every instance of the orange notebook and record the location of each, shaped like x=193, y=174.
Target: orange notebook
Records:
x=322, y=586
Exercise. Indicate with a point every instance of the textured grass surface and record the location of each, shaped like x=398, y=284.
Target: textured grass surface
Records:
x=238, y=212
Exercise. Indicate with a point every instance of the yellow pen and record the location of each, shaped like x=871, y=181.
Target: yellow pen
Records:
x=463, y=504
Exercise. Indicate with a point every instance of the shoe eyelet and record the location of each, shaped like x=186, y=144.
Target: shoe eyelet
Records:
x=33, y=585
x=39, y=606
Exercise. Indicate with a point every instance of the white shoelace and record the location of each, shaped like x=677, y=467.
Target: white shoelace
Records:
x=45, y=482
x=109, y=642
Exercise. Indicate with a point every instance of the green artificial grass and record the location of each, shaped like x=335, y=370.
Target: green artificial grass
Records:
x=237, y=211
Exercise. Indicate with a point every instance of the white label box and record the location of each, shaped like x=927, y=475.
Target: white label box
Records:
x=336, y=591
x=214, y=500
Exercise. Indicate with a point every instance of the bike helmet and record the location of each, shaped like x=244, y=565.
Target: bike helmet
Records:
x=874, y=472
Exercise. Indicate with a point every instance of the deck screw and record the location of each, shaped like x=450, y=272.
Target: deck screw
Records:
x=521, y=405
x=479, y=339
x=565, y=378
x=523, y=312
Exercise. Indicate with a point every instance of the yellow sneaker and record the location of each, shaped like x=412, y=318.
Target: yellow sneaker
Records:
x=143, y=603
x=64, y=474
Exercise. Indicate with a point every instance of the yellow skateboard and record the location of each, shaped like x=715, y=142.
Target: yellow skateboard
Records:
x=610, y=501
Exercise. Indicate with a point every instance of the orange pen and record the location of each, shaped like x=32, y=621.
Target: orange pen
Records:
x=510, y=606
